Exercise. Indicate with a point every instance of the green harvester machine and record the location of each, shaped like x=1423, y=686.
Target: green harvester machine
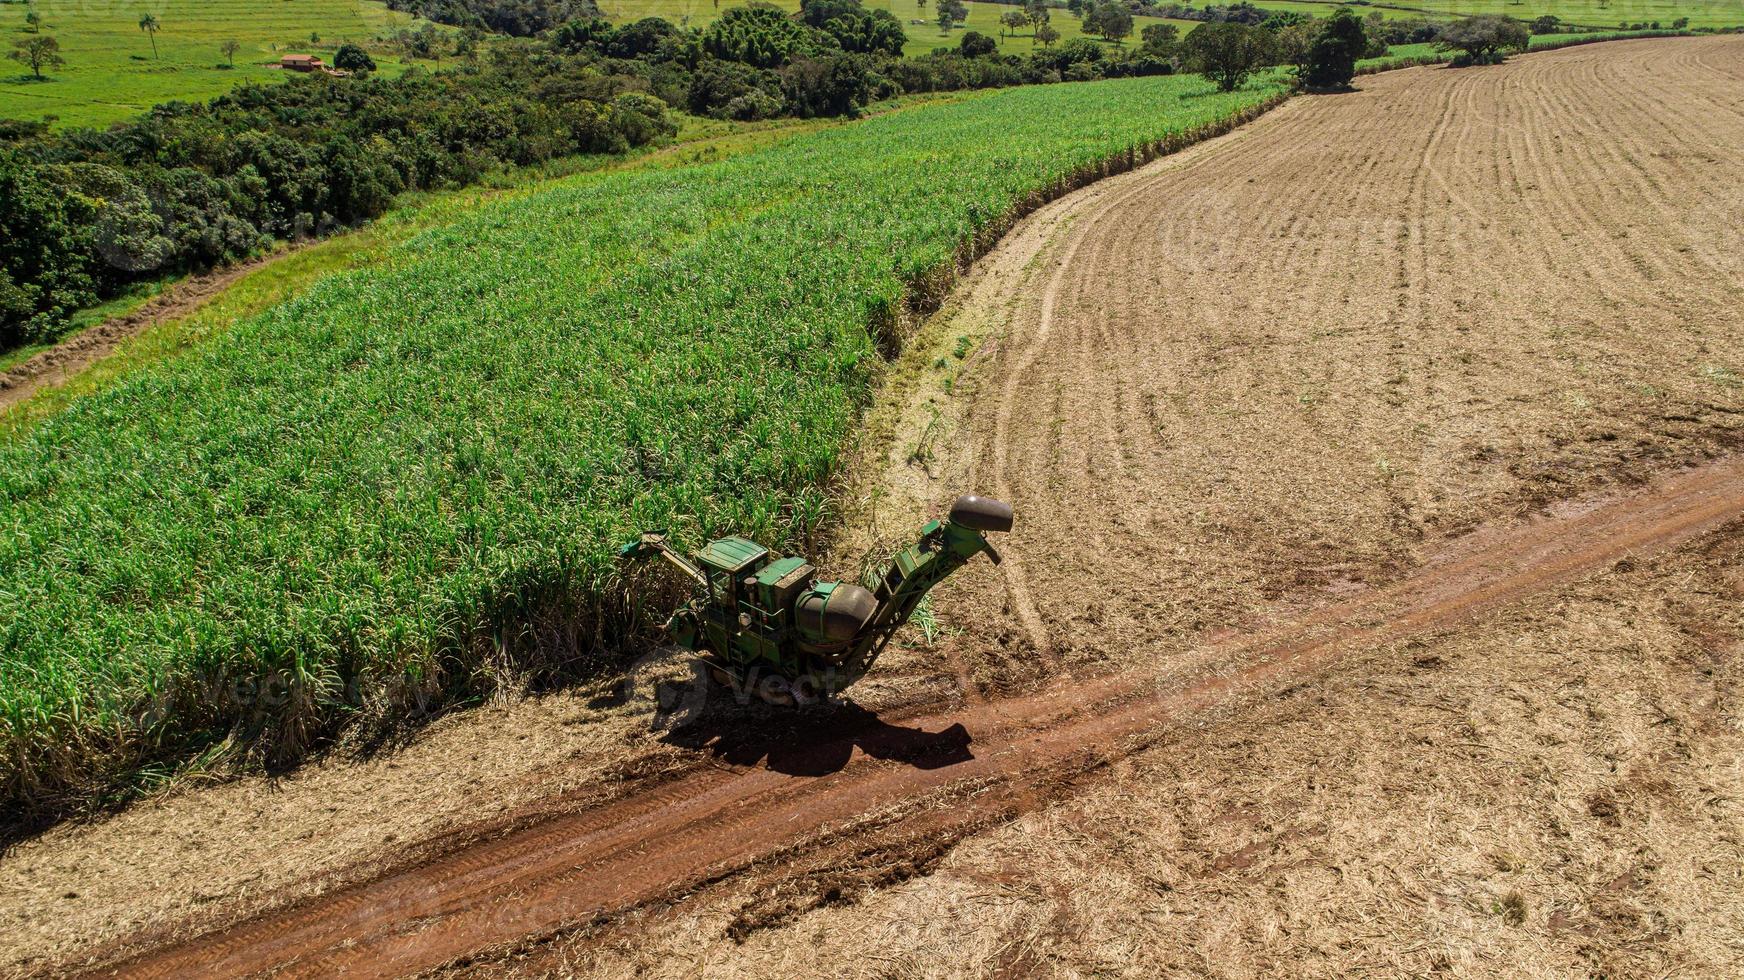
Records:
x=767, y=627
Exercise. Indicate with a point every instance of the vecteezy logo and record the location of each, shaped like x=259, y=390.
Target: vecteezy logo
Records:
x=668, y=687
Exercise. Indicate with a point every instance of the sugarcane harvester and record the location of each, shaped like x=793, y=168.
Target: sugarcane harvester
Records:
x=767, y=627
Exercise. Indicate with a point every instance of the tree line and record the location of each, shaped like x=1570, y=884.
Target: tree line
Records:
x=84, y=213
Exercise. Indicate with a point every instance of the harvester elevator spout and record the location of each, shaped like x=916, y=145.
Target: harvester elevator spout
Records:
x=654, y=543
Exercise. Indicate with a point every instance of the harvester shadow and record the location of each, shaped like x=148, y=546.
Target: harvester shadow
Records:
x=817, y=740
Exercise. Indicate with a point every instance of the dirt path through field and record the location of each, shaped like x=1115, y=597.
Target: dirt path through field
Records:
x=1377, y=366
x=91, y=345
x=701, y=827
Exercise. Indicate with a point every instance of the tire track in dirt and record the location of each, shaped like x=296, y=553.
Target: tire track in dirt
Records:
x=712, y=823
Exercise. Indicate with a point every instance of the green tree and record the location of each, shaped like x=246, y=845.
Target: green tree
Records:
x=1332, y=57
x=1110, y=21
x=1291, y=42
x=576, y=36
x=45, y=249
x=38, y=52
x=1547, y=24
x=1482, y=40
x=1276, y=22
x=640, y=39
x=829, y=84
x=1046, y=35
x=976, y=45
x=1037, y=12
x=1011, y=22
x=466, y=45
x=229, y=48
x=33, y=20
x=1227, y=53
x=1160, y=39
x=148, y=24
x=867, y=31
x=350, y=57
x=951, y=12
x=417, y=44
x=817, y=13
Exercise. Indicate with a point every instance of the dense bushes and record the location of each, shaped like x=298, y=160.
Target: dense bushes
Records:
x=1334, y=51
x=760, y=35
x=43, y=243
x=854, y=28
x=187, y=186
x=518, y=18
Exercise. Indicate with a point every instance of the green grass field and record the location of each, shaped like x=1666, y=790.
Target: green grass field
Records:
x=1400, y=55
x=111, y=72
x=923, y=37
x=421, y=468
x=1595, y=13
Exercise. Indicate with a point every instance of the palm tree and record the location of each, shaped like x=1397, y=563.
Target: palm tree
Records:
x=148, y=24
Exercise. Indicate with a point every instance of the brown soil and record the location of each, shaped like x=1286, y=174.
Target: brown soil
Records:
x=1376, y=382
x=88, y=346
x=1549, y=791
x=978, y=765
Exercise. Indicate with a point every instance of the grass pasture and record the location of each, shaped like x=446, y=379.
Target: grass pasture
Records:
x=1591, y=13
x=111, y=72
x=414, y=473
x=1405, y=55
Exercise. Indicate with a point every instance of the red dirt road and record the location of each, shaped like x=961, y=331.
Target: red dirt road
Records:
x=714, y=822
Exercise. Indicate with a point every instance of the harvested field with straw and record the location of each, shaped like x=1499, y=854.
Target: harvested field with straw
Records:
x=1373, y=605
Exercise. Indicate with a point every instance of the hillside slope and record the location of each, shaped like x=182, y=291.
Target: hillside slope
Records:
x=113, y=70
